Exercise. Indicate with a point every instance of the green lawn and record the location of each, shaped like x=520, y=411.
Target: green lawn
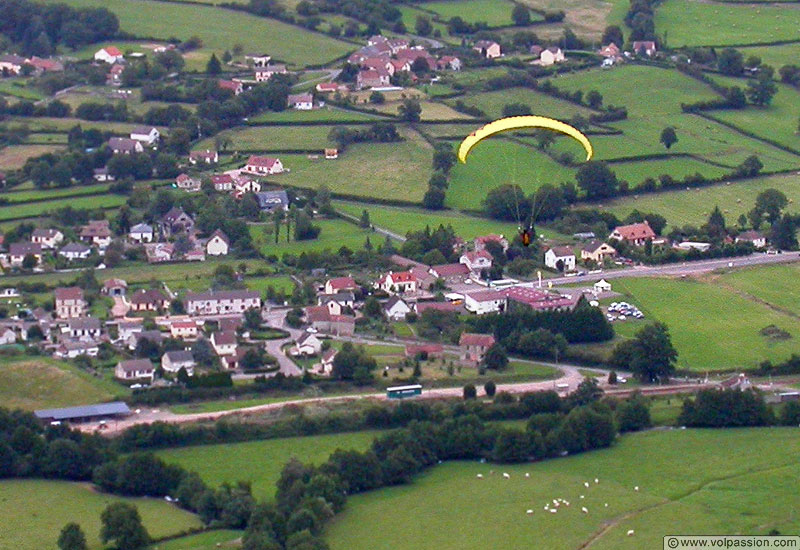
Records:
x=776, y=285
x=492, y=103
x=14, y=157
x=210, y=540
x=260, y=462
x=693, y=207
x=43, y=383
x=270, y=138
x=19, y=88
x=334, y=235
x=495, y=13
x=326, y=114
x=696, y=23
x=776, y=56
x=43, y=194
x=635, y=172
x=721, y=493
x=221, y=29
x=712, y=327
x=35, y=209
x=377, y=170
x=34, y=511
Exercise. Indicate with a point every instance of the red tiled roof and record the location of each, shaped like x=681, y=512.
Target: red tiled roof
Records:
x=112, y=50
x=635, y=231
x=69, y=293
x=413, y=349
x=471, y=339
x=342, y=283
x=438, y=306
x=266, y=162
x=450, y=270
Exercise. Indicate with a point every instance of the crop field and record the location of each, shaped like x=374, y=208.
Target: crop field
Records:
x=693, y=206
x=334, y=235
x=270, y=138
x=696, y=23
x=220, y=29
x=45, y=383
x=261, y=462
x=381, y=170
x=492, y=103
x=585, y=17
x=34, y=209
x=34, y=511
x=712, y=327
x=497, y=162
x=14, y=156
x=494, y=13
x=722, y=493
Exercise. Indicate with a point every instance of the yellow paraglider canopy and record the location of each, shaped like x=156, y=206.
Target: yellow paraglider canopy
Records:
x=516, y=123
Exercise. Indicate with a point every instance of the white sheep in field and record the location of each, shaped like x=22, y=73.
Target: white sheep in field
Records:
x=566, y=503
x=553, y=510
x=605, y=505
x=636, y=488
x=596, y=480
x=506, y=476
x=581, y=497
x=584, y=510
x=586, y=484
x=527, y=474
x=630, y=532
x=529, y=512
x=479, y=476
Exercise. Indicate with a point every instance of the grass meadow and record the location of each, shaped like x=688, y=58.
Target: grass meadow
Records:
x=35, y=209
x=271, y=138
x=495, y=13
x=209, y=540
x=13, y=157
x=492, y=103
x=448, y=508
x=325, y=114
x=34, y=511
x=261, y=462
x=334, y=235
x=775, y=285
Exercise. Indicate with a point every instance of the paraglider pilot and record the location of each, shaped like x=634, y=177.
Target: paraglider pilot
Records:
x=525, y=236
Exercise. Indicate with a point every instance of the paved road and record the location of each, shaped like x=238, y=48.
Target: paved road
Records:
x=275, y=318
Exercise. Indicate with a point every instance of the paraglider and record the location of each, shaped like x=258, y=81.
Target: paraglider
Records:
x=526, y=232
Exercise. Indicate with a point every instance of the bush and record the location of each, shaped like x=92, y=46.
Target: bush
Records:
x=490, y=388
x=726, y=408
x=470, y=392
x=790, y=415
x=633, y=414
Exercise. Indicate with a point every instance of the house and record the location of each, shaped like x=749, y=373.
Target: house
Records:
x=601, y=286
x=11, y=64
x=184, y=329
x=326, y=363
x=159, y=252
x=102, y=175
x=114, y=77
x=450, y=273
x=474, y=346
x=218, y=244
x=70, y=349
x=481, y=242
x=540, y=300
x=222, y=182
x=398, y=283
x=258, y=59
x=125, y=146
x=396, y=309
x=337, y=284
x=431, y=350
x=188, y=183
x=69, y=302
x=75, y=251
x=203, y=157
x=83, y=328
x=45, y=65
x=97, y=232
x=263, y=166
x=560, y=258
x=7, y=336
x=175, y=221
x=243, y=185
x=482, y=302
x=597, y=252
x=372, y=78
x=646, y=47
x=337, y=303
x=271, y=200
x=141, y=233
x=331, y=153
x=109, y=54
x=421, y=307
x=173, y=361
x=195, y=255
x=424, y=279
x=307, y=344
x=449, y=62
x=215, y=302
x=135, y=369
x=301, y=102
x=18, y=251
x=487, y=48
x=635, y=233
x=153, y=336
x=380, y=63
x=324, y=321
x=114, y=287
x=398, y=66
x=611, y=51
x=551, y=56
x=148, y=300
x=233, y=85
x=330, y=87
x=224, y=343
x=127, y=329
x=149, y=135
x=48, y=238
x=693, y=245
x=757, y=239
x=266, y=72
x=477, y=260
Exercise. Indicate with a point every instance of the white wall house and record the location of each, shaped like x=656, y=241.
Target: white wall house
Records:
x=560, y=258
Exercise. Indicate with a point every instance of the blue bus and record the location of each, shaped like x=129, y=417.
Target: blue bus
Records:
x=401, y=392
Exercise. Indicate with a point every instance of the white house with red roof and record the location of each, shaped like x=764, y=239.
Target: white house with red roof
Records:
x=485, y=301
x=218, y=244
x=398, y=283
x=109, y=54
x=233, y=85
x=330, y=87
x=243, y=184
x=449, y=62
x=648, y=47
x=339, y=284
x=481, y=242
x=185, y=329
x=474, y=346
x=488, y=48
x=188, y=183
x=222, y=182
x=635, y=233
x=263, y=166
x=300, y=102
x=203, y=157
x=560, y=258
x=476, y=260
x=372, y=78
x=265, y=73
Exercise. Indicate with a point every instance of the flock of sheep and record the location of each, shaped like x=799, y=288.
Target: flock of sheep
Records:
x=553, y=507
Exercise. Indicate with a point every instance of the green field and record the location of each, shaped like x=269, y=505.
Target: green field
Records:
x=261, y=462
x=712, y=327
x=270, y=138
x=493, y=12
x=34, y=511
x=776, y=285
x=635, y=172
x=492, y=103
x=19, y=88
x=398, y=171
x=45, y=194
x=334, y=235
x=696, y=23
x=13, y=157
x=221, y=29
x=721, y=493
x=210, y=540
x=776, y=56
x=35, y=209
x=326, y=114
x=44, y=383
x=693, y=207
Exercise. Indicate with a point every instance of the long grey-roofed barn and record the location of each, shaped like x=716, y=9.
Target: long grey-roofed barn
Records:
x=84, y=413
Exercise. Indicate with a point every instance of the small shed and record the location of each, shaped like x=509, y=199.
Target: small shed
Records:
x=602, y=286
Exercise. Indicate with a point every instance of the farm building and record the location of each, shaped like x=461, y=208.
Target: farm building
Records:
x=85, y=413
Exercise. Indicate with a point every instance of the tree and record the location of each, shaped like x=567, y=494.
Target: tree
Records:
x=72, y=538
x=783, y=234
x=122, y=524
x=304, y=230
x=490, y=388
x=594, y=99
x=652, y=355
x=612, y=33
x=213, y=67
x=423, y=25
x=409, y=110
x=761, y=91
x=495, y=357
x=277, y=219
x=372, y=308
x=751, y=166
x=633, y=414
x=470, y=392
x=377, y=98
x=364, y=222
x=29, y=262
x=433, y=198
x=668, y=137
x=730, y=62
x=597, y=180
x=521, y=15
x=769, y=203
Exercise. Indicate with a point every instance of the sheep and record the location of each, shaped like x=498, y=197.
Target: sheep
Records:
x=605, y=505
x=581, y=497
x=479, y=476
x=566, y=503
x=553, y=511
x=584, y=510
x=630, y=532
x=506, y=476
x=527, y=474
x=596, y=480
x=636, y=488
x=529, y=512
x=586, y=484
